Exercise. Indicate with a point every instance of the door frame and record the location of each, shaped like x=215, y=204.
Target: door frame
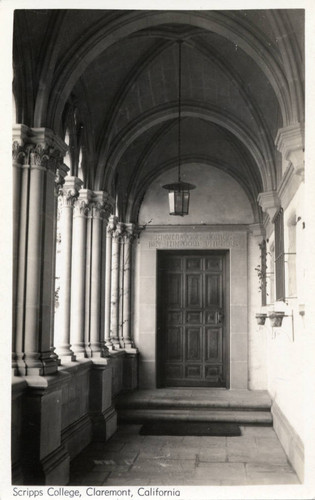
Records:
x=225, y=253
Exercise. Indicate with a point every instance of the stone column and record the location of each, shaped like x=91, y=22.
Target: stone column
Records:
x=106, y=214
x=98, y=214
x=128, y=239
x=59, y=181
x=114, y=311
x=67, y=197
x=35, y=239
x=20, y=203
x=81, y=210
x=108, y=278
x=121, y=291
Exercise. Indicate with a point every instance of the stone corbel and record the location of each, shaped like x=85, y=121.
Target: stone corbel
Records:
x=290, y=142
x=269, y=202
x=257, y=230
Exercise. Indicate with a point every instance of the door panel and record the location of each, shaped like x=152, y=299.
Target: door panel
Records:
x=194, y=290
x=193, y=344
x=191, y=328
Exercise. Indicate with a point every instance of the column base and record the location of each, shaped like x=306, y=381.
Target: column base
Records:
x=116, y=345
x=78, y=355
x=38, y=364
x=94, y=351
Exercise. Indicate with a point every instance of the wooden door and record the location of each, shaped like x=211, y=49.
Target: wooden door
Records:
x=191, y=334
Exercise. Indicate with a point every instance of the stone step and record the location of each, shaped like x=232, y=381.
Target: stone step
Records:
x=141, y=415
x=165, y=403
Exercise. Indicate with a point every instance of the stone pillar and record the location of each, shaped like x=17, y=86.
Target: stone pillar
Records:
x=114, y=305
x=98, y=214
x=106, y=214
x=59, y=181
x=20, y=204
x=34, y=242
x=81, y=210
x=128, y=239
x=121, y=291
x=108, y=267
x=67, y=197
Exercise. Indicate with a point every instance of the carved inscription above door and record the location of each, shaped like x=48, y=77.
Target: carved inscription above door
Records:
x=191, y=328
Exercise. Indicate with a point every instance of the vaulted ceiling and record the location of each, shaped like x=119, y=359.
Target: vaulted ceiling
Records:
x=108, y=81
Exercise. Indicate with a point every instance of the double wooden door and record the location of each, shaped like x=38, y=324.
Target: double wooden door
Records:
x=191, y=333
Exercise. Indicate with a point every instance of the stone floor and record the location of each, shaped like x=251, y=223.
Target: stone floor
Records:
x=255, y=457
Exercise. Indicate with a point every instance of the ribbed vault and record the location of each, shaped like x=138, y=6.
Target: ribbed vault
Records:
x=242, y=80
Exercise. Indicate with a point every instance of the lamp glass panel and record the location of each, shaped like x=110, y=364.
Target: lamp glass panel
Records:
x=171, y=201
x=178, y=202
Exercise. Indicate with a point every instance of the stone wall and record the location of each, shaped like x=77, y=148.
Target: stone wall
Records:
x=54, y=418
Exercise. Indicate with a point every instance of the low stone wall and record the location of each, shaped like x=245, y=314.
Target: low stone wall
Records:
x=54, y=418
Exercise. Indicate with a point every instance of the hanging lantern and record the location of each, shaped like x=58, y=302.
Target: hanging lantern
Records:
x=178, y=197
x=179, y=192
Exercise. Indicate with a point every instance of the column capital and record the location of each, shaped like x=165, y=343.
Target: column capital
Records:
x=269, y=202
x=101, y=205
x=41, y=141
x=118, y=233
x=290, y=142
x=112, y=222
x=129, y=232
x=82, y=203
x=70, y=190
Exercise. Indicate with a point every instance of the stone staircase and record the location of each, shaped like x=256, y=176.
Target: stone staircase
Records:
x=206, y=405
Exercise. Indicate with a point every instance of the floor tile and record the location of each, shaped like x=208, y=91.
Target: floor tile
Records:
x=213, y=455
x=255, y=457
x=221, y=471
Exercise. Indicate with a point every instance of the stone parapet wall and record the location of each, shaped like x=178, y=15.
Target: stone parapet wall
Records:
x=54, y=418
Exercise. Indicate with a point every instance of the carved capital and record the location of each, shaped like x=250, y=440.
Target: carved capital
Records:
x=18, y=153
x=98, y=204
x=129, y=233
x=111, y=226
x=290, y=143
x=102, y=205
x=82, y=204
x=119, y=231
x=269, y=202
x=69, y=191
x=60, y=175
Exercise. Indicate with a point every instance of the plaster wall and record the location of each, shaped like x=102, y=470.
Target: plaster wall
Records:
x=257, y=335
x=286, y=345
x=217, y=199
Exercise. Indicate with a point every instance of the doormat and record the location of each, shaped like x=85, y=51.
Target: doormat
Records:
x=180, y=428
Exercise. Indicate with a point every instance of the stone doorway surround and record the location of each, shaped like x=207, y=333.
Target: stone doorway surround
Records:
x=191, y=237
